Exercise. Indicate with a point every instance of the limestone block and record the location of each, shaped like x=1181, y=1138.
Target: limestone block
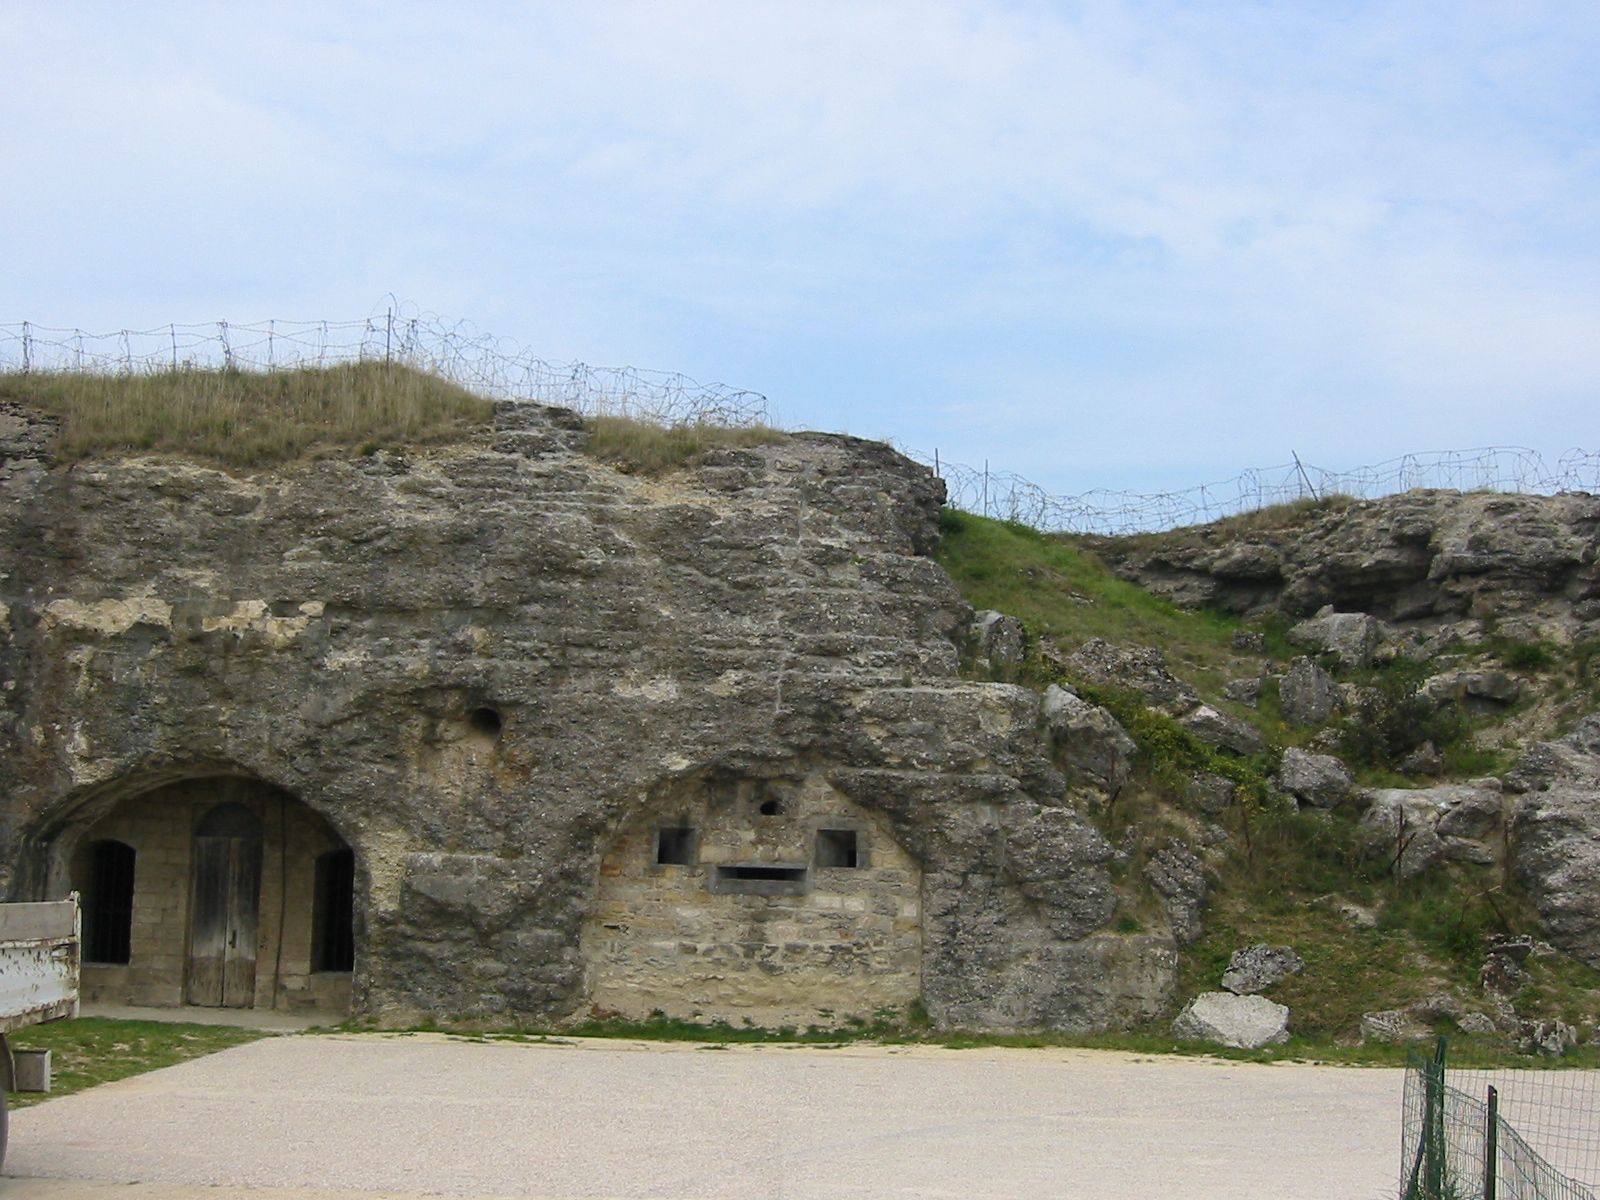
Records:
x=1308, y=695
x=1353, y=637
x=1217, y=728
x=1141, y=669
x=1397, y=1025
x=1000, y=638
x=1243, y=1022
x=1256, y=968
x=1091, y=745
x=1315, y=780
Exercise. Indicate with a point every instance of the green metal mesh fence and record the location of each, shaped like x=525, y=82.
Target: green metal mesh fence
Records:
x=1460, y=1146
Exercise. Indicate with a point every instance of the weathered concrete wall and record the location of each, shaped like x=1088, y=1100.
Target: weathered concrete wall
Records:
x=668, y=938
x=338, y=628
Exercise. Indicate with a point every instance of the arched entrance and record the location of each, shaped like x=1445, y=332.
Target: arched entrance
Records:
x=776, y=900
x=219, y=892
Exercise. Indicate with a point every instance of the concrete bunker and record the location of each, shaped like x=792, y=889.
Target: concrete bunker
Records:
x=777, y=900
x=219, y=892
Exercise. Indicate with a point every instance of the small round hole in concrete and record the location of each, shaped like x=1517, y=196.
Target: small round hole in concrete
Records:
x=485, y=721
x=770, y=808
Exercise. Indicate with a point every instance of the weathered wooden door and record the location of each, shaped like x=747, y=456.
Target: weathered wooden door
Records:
x=227, y=898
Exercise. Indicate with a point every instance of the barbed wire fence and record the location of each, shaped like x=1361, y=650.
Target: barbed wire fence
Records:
x=490, y=366
x=1112, y=513
x=500, y=369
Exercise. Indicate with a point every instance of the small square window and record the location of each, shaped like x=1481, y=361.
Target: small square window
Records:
x=837, y=848
x=675, y=846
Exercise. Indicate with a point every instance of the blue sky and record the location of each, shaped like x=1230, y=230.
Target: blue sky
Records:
x=1101, y=244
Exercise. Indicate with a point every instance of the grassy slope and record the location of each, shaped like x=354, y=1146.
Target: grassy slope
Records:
x=1287, y=874
x=1065, y=594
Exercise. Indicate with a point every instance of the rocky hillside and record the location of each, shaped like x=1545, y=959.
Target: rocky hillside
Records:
x=1355, y=737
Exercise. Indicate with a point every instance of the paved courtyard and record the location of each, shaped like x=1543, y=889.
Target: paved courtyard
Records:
x=370, y=1116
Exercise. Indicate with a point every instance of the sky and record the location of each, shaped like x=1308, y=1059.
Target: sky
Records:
x=1127, y=244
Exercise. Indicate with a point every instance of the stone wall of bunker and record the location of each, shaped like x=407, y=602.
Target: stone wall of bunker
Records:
x=160, y=826
x=659, y=939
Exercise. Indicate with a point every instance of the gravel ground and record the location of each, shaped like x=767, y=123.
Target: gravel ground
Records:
x=332, y=1116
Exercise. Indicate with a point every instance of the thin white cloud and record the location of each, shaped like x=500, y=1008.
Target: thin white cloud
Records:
x=1080, y=236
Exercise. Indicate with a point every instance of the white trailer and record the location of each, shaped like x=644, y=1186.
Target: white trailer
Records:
x=39, y=954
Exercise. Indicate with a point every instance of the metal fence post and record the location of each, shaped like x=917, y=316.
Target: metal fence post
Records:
x=1491, y=1144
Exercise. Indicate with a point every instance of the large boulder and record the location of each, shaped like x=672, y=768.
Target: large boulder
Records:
x=1141, y=669
x=1314, y=780
x=1307, y=695
x=1353, y=637
x=1256, y=968
x=1243, y=1022
x=1464, y=687
x=1556, y=836
x=1414, y=828
x=1216, y=728
x=1091, y=746
x=1058, y=860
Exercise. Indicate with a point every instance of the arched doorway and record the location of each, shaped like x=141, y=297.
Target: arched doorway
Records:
x=779, y=901
x=217, y=892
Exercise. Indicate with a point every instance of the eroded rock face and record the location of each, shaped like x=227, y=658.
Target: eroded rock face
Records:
x=486, y=663
x=1556, y=836
x=1091, y=745
x=1423, y=556
x=1414, y=828
x=1141, y=669
x=1308, y=694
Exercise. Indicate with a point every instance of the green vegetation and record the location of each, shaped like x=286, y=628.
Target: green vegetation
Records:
x=1371, y=941
x=638, y=447
x=1062, y=592
x=1528, y=656
x=94, y=1050
x=249, y=418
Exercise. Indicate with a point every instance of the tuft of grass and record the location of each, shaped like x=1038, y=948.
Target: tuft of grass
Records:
x=93, y=1050
x=1528, y=656
x=638, y=447
x=249, y=418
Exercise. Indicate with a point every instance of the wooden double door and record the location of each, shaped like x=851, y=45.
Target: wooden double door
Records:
x=226, y=908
